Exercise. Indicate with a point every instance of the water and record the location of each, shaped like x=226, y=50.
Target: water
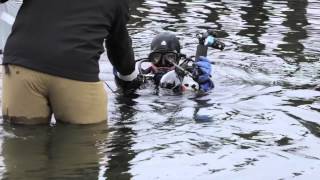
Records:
x=262, y=121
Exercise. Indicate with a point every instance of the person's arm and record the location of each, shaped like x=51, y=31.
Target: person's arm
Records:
x=120, y=52
x=119, y=45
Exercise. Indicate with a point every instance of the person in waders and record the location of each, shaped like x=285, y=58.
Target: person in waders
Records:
x=50, y=60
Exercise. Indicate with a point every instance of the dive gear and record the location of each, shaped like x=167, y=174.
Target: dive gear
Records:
x=163, y=59
x=165, y=54
x=165, y=42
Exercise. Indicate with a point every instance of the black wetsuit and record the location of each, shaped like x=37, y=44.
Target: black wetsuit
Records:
x=65, y=37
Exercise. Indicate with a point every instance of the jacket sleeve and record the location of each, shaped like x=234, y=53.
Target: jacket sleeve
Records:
x=3, y=1
x=118, y=44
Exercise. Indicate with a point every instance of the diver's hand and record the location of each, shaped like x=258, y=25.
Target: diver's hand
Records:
x=170, y=80
x=129, y=83
x=202, y=74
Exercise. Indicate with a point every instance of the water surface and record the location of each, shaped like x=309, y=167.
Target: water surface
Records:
x=262, y=121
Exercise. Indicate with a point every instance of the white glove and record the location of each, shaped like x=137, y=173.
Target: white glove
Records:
x=170, y=80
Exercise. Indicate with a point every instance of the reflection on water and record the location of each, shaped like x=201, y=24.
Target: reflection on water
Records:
x=60, y=152
x=296, y=20
x=261, y=121
x=120, y=144
x=255, y=17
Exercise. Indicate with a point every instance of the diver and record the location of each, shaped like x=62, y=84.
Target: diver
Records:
x=170, y=69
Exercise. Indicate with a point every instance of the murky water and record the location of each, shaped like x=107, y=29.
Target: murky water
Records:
x=262, y=121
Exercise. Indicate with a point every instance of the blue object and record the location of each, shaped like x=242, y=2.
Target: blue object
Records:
x=209, y=41
x=203, y=118
x=204, y=70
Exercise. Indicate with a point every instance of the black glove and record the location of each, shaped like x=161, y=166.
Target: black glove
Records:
x=128, y=87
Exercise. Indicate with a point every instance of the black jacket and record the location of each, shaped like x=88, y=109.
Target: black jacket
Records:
x=65, y=37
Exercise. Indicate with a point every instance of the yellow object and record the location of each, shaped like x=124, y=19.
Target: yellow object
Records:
x=30, y=97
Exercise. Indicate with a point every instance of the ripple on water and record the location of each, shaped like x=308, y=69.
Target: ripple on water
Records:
x=260, y=122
